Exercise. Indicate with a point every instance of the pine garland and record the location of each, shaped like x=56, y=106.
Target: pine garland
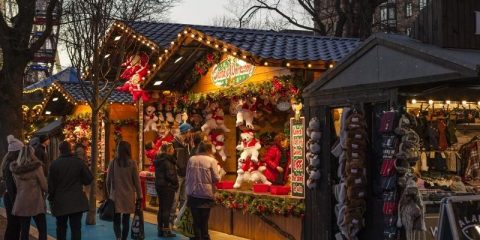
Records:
x=201, y=67
x=261, y=204
x=117, y=127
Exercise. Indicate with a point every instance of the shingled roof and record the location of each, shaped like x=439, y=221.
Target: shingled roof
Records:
x=263, y=43
x=75, y=91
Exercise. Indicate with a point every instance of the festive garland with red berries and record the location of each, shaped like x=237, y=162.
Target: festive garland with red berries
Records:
x=117, y=127
x=261, y=204
x=201, y=67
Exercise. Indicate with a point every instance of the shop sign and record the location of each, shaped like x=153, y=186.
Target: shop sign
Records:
x=150, y=186
x=231, y=71
x=297, y=153
x=460, y=218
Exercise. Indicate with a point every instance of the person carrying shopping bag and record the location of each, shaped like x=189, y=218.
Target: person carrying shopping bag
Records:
x=123, y=186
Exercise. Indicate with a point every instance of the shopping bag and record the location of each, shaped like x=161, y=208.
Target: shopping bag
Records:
x=184, y=222
x=138, y=231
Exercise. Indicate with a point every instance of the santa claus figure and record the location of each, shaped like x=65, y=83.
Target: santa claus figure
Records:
x=136, y=69
x=277, y=160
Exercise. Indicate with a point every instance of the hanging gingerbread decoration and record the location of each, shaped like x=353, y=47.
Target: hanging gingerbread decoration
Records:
x=136, y=69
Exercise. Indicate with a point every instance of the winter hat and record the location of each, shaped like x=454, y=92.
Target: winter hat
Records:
x=14, y=144
x=42, y=138
x=185, y=127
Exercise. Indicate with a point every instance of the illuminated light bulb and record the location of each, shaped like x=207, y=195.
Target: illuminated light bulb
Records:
x=208, y=42
x=330, y=66
x=448, y=102
x=288, y=64
x=166, y=50
x=430, y=101
x=309, y=65
x=414, y=101
x=200, y=39
x=464, y=102
x=244, y=56
x=225, y=49
x=192, y=35
x=185, y=32
x=179, y=35
x=265, y=63
x=478, y=103
x=154, y=65
x=234, y=53
x=216, y=46
x=172, y=43
x=160, y=58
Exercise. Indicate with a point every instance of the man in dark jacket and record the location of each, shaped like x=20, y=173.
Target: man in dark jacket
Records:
x=183, y=146
x=41, y=152
x=68, y=174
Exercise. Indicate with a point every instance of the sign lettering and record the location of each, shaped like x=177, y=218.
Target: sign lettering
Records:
x=231, y=71
x=297, y=152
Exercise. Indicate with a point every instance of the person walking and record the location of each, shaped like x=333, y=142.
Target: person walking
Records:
x=31, y=187
x=182, y=144
x=166, y=184
x=12, y=230
x=202, y=175
x=41, y=152
x=68, y=174
x=123, y=184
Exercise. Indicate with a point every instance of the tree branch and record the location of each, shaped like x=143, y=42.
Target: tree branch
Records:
x=35, y=46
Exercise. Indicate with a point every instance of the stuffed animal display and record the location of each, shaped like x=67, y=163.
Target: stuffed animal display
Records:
x=150, y=119
x=248, y=164
x=218, y=141
x=136, y=69
x=246, y=112
x=313, y=152
x=214, y=119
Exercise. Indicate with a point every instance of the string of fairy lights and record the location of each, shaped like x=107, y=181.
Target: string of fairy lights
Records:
x=189, y=33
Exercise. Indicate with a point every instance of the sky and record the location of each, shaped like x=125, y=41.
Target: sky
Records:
x=200, y=12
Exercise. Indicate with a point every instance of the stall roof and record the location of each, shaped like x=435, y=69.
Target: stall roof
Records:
x=75, y=91
x=266, y=44
x=69, y=75
x=50, y=128
x=389, y=60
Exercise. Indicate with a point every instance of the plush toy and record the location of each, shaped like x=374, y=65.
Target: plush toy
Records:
x=218, y=141
x=257, y=176
x=209, y=124
x=219, y=115
x=161, y=118
x=249, y=146
x=250, y=171
x=150, y=119
x=246, y=112
x=136, y=69
x=168, y=113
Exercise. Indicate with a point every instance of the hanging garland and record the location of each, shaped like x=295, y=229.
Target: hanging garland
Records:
x=285, y=86
x=261, y=204
x=117, y=128
x=201, y=67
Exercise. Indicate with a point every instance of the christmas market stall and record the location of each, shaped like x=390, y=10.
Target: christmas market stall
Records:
x=401, y=125
x=63, y=100
x=242, y=90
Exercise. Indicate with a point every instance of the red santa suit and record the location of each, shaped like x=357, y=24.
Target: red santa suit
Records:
x=273, y=159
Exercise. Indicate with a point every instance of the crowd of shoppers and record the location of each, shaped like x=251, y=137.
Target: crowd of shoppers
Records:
x=186, y=173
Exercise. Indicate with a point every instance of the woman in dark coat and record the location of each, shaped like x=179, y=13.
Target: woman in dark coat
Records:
x=166, y=184
x=13, y=222
x=123, y=186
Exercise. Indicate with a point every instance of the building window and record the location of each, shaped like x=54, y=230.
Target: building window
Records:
x=408, y=9
x=422, y=4
x=383, y=14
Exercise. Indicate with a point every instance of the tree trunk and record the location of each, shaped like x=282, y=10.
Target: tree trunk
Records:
x=11, y=89
x=91, y=215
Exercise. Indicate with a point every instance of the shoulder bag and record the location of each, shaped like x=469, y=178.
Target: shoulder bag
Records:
x=106, y=211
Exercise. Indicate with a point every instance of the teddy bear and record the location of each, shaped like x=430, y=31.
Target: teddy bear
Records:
x=218, y=141
x=246, y=112
x=136, y=69
x=209, y=124
x=168, y=113
x=249, y=146
x=219, y=115
x=257, y=175
x=150, y=119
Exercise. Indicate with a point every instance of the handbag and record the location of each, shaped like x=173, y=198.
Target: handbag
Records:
x=106, y=211
x=138, y=231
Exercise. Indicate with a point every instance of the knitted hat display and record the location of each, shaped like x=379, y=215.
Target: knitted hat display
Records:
x=14, y=144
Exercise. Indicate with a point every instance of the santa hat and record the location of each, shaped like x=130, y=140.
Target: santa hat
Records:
x=249, y=132
x=14, y=144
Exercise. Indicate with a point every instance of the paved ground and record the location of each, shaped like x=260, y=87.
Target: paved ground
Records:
x=104, y=230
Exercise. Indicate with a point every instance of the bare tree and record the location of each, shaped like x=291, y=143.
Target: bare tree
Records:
x=97, y=50
x=18, y=50
x=329, y=17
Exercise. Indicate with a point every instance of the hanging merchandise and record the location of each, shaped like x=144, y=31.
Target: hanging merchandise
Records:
x=350, y=193
x=411, y=210
x=471, y=159
x=313, y=152
x=388, y=172
x=218, y=141
x=150, y=119
x=214, y=118
x=246, y=112
x=136, y=70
